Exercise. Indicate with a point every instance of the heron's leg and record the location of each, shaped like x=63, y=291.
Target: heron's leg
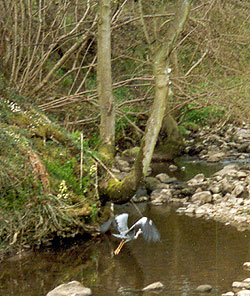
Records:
x=118, y=249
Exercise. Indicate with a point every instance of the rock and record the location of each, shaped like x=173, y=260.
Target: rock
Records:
x=240, y=191
x=126, y=291
x=171, y=180
x=243, y=156
x=162, y=177
x=242, y=175
x=229, y=170
x=243, y=147
x=203, y=210
x=200, y=211
x=181, y=210
x=141, y=195
x=215, y=157
x=122, y=165
x=190, y=209
x=196, y=180
x=202, y=197
x=131, y=152
x=204, y=288
x=228, y=294
x=153, y=287
x=152, y=183
x=243, y=133
x=217, y=197
x=216, y=188
x=247, y=280
x=246, y=265
x=241, y=285
x=173, y=167
x=141, y=198
x=158, y=198
x=214, y=139
x=227, y=186
x=70, y=289
x=243, y=293
x=187, y=191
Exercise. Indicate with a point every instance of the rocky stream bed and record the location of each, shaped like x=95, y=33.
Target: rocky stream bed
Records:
x=223, y=196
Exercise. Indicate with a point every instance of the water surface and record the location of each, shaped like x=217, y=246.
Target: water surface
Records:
x=191, y=252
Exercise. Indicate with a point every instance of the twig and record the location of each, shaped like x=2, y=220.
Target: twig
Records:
x=197, y=63
x=104, y=166
x=140, y=132
x=81, y=161
x=144, y=26
x=137, y=18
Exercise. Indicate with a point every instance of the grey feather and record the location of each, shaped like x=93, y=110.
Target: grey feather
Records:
x=143, y=226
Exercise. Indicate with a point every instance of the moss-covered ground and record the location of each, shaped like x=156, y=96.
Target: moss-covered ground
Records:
x=43, y=195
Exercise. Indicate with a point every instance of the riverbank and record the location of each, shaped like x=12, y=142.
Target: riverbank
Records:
x=225, y=195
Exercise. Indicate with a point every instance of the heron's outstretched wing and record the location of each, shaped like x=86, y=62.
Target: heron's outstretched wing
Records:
x=149, y=230
x=121, y=222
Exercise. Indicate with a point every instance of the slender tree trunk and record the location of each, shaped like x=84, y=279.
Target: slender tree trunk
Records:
x=104, y=80
x=122, y=191
x=161, y=74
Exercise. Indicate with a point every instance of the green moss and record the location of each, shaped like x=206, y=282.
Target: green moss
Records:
x=106, y=153
x=203, y=116
x=41, y=204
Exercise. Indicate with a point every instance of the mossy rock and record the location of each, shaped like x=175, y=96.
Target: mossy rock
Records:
x=131, y=153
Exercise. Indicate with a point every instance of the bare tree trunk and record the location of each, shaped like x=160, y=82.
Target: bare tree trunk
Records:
x=161, y=74
x=104, y=80
x=122, y=191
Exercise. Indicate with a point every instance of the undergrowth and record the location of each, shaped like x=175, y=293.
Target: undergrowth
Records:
x=42, y=194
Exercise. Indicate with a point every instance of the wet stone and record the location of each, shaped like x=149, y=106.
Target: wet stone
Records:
x=70, y=289
x=240, y=285
x=246, y=265
x=153, y=287
x=202, y=197
x=243, y=293
x=228, y=294
x=204, y=288
x=162, y=177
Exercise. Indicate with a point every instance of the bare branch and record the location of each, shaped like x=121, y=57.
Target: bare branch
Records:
x=197, y=63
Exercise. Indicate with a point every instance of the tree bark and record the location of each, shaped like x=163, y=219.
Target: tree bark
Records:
x=104, y=82
x=161, y=74
x=120, y=192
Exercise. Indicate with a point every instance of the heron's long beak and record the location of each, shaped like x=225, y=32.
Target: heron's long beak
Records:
x=118, y=249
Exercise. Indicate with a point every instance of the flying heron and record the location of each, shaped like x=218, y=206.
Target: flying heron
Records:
x=143, y=226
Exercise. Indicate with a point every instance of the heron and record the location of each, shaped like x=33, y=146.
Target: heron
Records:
x=143, y=226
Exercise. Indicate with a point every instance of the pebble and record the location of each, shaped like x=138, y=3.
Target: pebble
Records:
x=204, y=288
x=153, y=287
x=246, y=265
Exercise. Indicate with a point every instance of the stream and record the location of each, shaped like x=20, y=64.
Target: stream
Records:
x=191, y=252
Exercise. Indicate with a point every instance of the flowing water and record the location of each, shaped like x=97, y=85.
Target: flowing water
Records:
x=191, y=252
x=189, y=166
